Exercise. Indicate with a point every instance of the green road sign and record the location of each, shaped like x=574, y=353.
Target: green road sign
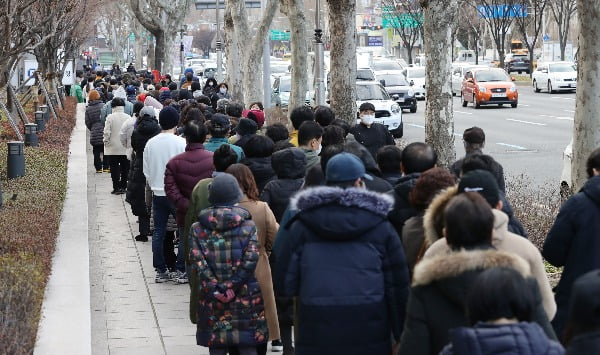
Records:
x=132, y=37
x=401, y=21
x=277, y=35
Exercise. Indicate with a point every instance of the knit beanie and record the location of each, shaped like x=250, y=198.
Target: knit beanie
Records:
x=246, y=127
x=168, y=118
x=257, y=116
x=94, y=95
x=224, y=190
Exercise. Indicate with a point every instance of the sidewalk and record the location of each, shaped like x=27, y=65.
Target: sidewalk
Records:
x=131, y=314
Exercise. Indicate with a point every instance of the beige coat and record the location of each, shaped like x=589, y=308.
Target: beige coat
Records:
x=112, y=128
x=267, y=227
x=505, y=241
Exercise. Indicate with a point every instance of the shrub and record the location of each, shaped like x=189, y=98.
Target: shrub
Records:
x=29, y=221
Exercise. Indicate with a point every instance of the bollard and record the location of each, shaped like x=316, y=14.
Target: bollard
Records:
x=46, y=110
x=15, y=165
x=39, y=121
x=31, y=137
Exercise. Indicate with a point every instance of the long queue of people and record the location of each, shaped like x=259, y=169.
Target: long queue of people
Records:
x=330, y=239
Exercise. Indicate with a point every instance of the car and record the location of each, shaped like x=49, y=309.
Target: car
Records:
x=516, y=62
x=386, y=65
x=365, y=74
x=489, y=86
x=387, y=112
x=399, y=89
x=458, y=74
x=281, y=90
x=416, y=77
x=555, y=76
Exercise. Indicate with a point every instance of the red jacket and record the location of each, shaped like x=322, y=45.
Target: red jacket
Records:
x=182, y=174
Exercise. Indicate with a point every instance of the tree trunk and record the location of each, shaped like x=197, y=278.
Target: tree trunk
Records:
x=233, y=51
x=409, y=52
x=586, y=130
x=150, y=54
x=440, y=17
x=342, y=91
x=160, y=50
x=299, y=49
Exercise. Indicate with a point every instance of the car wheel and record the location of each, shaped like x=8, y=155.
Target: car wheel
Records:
x=413, y=109
x=514, y=105
x=535, y=87
x=465, y=103
x=398, y=133
x=550, y=90
x=475, y=103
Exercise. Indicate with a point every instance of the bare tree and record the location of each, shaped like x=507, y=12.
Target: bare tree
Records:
x=440, y=18
x=203, y=39
x=533, y=23
x=586, y=131
x=162, y=18
x=473, y=26
x=407, y=21
x=294, y=10
x=342, y=28
x=562, y=10
x=497, y=14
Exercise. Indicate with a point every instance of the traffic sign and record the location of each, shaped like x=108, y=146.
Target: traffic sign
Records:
x=502, y=11
x=546, y=38
x=402, y=20
x=132, y=37
x=277, y=35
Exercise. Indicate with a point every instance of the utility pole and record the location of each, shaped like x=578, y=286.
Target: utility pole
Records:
x=319, y=60
x=219, y=46
x=266, y=66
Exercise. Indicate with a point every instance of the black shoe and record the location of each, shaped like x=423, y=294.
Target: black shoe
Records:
x=141, y=238
x=120, y=191
x=115, y=191
x=276, y=346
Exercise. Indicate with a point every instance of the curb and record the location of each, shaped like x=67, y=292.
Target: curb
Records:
x=65, y=322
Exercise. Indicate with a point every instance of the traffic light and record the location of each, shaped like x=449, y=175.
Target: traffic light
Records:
x=218, y=45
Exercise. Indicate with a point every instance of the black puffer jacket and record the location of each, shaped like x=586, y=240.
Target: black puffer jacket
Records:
x=145, y=129
x=588, y=343
x=93, y=122
x=402, y=210
x=261, y=169
x=290, y=166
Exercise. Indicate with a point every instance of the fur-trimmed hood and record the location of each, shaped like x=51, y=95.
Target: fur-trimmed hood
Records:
x=433, y=221
x=341, y=214
x=454, y=264
x=352, y=197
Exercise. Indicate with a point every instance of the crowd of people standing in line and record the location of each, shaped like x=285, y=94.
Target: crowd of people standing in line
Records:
x=330, y=239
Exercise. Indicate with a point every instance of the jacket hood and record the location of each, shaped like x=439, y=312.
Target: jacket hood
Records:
x=223, y=218
x=341, y=214
x=591, y=189
x=188, y=70
x=405, y=184
x=120, y=92
x=456, y=263
x=148, y=126
x=433, y=221
x=150, y=101
x=289, y=163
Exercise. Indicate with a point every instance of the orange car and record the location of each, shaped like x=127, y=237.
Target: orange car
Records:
x=489, y=86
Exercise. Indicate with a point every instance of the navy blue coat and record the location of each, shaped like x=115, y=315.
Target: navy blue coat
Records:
x=344, y=262
x=574, y=242
x=489, y=339
x=588, y=343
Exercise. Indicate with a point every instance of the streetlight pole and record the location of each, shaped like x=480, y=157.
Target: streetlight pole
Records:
x=181, y=49
x=319, y=60
x=219, y=51
x=266, y=66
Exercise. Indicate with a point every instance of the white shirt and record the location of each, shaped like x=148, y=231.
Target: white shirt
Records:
x=157, y=153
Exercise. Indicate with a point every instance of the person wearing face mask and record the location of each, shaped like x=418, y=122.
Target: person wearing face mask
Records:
x=310, y=135
x=369, y=133
x=223, y=92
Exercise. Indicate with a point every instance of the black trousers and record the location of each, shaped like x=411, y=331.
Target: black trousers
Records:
x=99, y=163
x=119, y=169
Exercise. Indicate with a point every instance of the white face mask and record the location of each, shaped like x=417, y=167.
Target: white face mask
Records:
x=223, y=90
x=318, y=151
x=210, y=84
x=367, y=119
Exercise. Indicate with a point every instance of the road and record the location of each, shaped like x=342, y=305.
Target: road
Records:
x=529, y=139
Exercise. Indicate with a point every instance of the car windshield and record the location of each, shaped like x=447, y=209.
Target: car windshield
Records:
x=562, y=68
x=285, y=85
x=393, y=80
x=491, y=75
x=278, y=69
x=416, y=73
x=381, y=65
x=364, y=74
x=371, y=92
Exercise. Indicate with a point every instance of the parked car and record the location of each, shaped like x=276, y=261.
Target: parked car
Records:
x=387, y=112
x=489, y=86
x=386, y=65
x=282, y=88
x=399, y=89
x=416, y=77
x=516, y=62
x=554, y=76
x=458, y=75
x=365, y=74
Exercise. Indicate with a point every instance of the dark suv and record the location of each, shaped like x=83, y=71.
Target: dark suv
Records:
x=516, y=62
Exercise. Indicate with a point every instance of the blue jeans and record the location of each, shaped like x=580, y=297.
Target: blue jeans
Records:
x=161, y=209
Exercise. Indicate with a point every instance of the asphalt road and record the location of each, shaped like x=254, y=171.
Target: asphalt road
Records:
x=529, y=139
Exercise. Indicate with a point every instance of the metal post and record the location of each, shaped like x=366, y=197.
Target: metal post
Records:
x=31, y=137
x=181, y=53
x=219, y=51
x=266, y=66
x=46, y=110
x=40, y=121
x=15, y=164
x=319, y=60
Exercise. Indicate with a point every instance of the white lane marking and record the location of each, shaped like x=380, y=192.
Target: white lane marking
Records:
x=512, y=146
x=558, y=117
x=526, y=122
x=564, y=98
x=571, y=111
x=465, y=113
x=524, y=105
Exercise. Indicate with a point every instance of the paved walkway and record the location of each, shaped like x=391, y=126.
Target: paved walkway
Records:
x=131, y=314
